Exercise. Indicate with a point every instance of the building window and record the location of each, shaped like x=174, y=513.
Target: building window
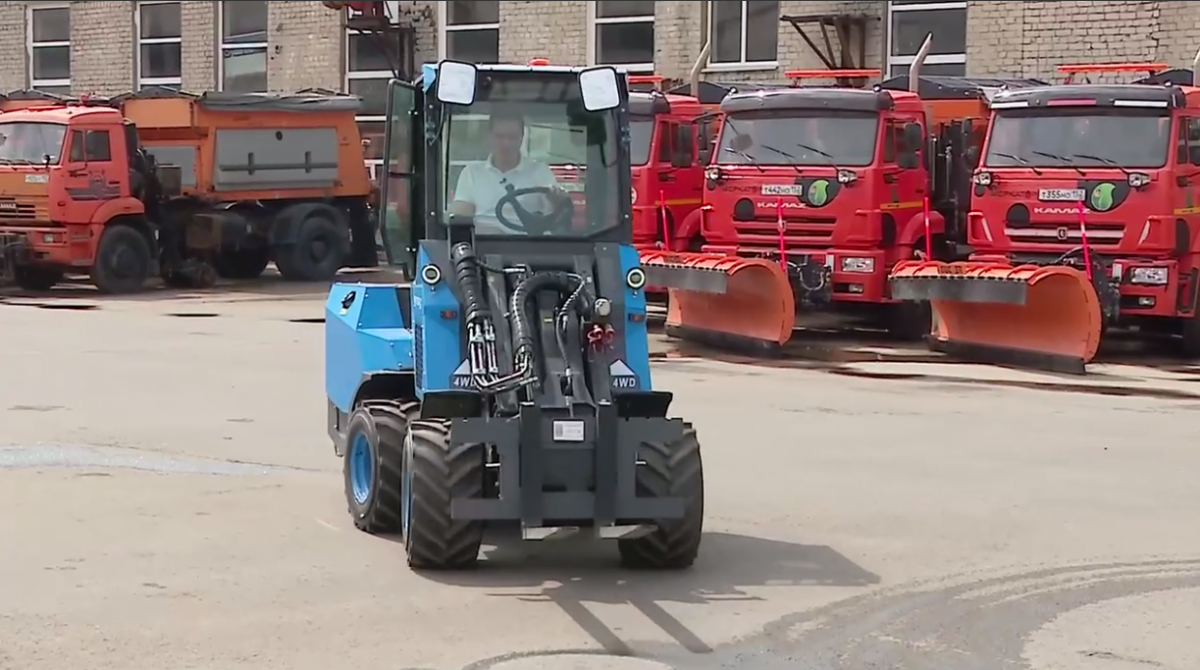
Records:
x=744, y=33
x=49, y=31
x=908, y=24
x=369, y=62
x=470, y=31
x=243, y=65
x=160, y=44
x=622, y=33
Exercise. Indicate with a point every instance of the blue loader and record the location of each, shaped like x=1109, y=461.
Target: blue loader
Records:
x=507, y=386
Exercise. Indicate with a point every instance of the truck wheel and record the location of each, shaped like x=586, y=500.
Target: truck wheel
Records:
x=435, y=473
x=320, y=250
x=242, y=263
x=123, y=262
x=909, y=321
x=373, y=461
x=671, y=469
x=36, y=278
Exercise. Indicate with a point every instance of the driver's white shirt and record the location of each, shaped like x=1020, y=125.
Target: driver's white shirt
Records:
x=482, y=184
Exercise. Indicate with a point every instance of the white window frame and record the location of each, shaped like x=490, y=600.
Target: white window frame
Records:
x=373, y=164
x=143, y=82
x=444, y=29
x=222, y=47
x=30, y=45
x=593, y=26
x=741, y=65
x=932, y=59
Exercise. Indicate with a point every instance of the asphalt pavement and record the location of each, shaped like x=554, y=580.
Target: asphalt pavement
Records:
x=170, y=499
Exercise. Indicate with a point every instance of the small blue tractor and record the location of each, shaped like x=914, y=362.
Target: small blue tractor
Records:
x=508, y=384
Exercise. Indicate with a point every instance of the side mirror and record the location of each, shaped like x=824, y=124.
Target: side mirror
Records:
x=704, y=156
x=599, y=88
x=907, y=160
x=741, y=142
x=456, y=83
x=972, y=156
x=912, y=136
x=683, y=146
x=1194, y=155
x=968, y=127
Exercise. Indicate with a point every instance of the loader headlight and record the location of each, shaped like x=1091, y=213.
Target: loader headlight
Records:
x=431, y=274
x=603, y=308
x=636, y=278
x=1152, y=276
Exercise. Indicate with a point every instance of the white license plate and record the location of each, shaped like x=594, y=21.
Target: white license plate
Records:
x=782, y=189
x=1061, y=195
x=572, y=186
x=568, y=431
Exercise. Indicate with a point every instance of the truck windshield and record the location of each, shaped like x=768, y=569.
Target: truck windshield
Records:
x=1045, y=138
x=26, y=143
x=507, y=141
x=641, y=132
x=844, y=139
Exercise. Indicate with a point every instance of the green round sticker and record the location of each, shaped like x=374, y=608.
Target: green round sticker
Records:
x=818, y=192
x=1102, y=197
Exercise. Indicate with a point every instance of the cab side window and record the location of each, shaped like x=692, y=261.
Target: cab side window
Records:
x=1188, y=149
x=666, y=133
x=90, y=146
x=891, y=138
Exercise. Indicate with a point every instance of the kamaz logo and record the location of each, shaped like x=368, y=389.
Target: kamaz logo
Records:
x=1055, y=210
x=787, y=204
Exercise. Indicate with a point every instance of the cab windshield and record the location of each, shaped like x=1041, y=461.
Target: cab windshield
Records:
x=844, y=139
x=1087, y=138
x=26, y=143
x=641, y=133
x=526, y=158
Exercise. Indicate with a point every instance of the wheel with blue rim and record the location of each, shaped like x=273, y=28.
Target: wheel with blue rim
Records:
x=374, y=461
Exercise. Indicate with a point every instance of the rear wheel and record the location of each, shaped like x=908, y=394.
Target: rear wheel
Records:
x=320, y=249
x=435, y=473
x=372, y=466
x=672, y=470
x=246, y=263
x=124, y=261
x=36, y=278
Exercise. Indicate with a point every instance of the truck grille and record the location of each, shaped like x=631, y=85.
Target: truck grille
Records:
x=1099, y=234
x=798, y=229
x=24, y=210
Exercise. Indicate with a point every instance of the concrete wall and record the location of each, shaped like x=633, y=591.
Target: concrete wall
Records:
x=307, y=46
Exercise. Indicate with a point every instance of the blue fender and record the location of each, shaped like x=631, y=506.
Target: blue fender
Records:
x=367, y=333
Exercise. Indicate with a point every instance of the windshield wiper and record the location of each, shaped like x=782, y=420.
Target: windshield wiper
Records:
x=829, y=157
x=1022, y=161
x=1061, y=159
x=749, y=159
x=792, y=160
x=1100, y=159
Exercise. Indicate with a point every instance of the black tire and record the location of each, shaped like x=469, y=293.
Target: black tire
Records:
x=36, y=278
x=909, y=321
x=383, y=424
x=247, y=263
x=437, y=473
x=124, y=261
x=1190, y=330
x=672, y=469
x=321, y=249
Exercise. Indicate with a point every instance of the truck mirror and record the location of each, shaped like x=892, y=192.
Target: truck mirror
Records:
x=683, y=146
x=972, y=156
x=456, y=82
x=907, y=160
x=704, y=156
x=741, y=142
x=1194, y=155
x=912, y=136
x=598, y=88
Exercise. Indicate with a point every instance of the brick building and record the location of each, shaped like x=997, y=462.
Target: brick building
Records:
x=106, y=47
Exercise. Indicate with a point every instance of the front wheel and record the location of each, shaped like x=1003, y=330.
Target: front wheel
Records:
x=435, y=473
x=671, y=470
x=36, y=278
x=124, y=261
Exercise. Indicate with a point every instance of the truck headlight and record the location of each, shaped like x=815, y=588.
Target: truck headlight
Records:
x=1138, y=179
x=1151, y=276
x=859, y=265
x=982, y=178
x=847, y=176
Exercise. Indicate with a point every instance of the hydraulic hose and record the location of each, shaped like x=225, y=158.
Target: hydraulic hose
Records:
x=524, y=327
x=466, y=272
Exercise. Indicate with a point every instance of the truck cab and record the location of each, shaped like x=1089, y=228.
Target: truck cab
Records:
x=1106, y=172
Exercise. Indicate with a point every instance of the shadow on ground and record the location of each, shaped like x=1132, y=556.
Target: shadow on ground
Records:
x=571, y=573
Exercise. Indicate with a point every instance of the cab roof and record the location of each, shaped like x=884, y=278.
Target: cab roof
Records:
x=1099, y=95
x=815, y=98
x=62, y=114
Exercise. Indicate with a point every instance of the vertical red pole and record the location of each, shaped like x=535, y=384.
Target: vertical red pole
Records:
x=662, y=212
x=928, y=236
x=782, y=227
x=1087, y=252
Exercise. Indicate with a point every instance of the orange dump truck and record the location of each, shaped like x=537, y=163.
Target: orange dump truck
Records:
x=184, y=186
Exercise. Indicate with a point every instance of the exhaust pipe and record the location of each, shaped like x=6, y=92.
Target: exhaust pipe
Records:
x=698, y=66
x=1196, y=69
x=914, y=70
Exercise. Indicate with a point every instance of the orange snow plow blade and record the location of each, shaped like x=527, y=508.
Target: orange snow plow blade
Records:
x=724, y=301
x=1044, y=317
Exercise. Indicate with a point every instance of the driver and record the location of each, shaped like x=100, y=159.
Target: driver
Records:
x=482, y=184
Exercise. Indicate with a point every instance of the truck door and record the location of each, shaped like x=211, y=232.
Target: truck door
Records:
x=400, y=202
x=904, y=186
x=90, y=177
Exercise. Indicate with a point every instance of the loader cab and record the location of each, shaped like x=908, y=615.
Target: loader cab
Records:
x=813, y=157
x=1118, y=155
x=474, y=153
x=668, y=177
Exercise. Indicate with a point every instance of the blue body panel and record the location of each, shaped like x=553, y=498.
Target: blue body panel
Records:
x=364, y=338
x=437, y=317
x=637, y=337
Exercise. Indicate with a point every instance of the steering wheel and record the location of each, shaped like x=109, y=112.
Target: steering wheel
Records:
x=533, y=223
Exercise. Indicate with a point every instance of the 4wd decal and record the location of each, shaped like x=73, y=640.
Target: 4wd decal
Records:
x=98, y=188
